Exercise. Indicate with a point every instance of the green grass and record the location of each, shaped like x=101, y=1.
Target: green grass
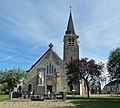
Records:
x=96, y=101
x=93, y=102
x=3, y=97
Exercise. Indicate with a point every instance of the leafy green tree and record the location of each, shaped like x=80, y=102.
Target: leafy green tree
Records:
x=113, y=66
x=84, y=69
x=10, y=78
x=2, y=89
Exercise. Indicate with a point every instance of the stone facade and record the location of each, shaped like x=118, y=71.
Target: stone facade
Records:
x=48, y=74
x=71, y=47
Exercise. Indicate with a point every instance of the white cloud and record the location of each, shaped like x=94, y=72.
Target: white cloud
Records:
x=19, y=54
x=29, y=22
x=102, y=33
x=10, y=57
x=41, y=22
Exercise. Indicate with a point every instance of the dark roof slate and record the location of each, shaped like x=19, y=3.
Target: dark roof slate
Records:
x=70, y=27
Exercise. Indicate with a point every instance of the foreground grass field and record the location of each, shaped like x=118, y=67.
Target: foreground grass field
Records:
x=96, y=101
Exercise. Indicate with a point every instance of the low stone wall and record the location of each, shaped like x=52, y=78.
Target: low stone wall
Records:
x=49, y=97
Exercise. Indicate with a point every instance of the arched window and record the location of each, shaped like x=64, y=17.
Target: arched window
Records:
x=47, y=69
x=51, y=70
x=71, y=41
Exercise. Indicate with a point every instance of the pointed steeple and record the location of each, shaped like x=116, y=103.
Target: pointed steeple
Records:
x=70, y=27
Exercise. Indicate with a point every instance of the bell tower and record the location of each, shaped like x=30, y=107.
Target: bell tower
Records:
x=71, y=47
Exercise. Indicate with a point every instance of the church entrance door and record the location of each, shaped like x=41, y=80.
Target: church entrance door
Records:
x=49, y=87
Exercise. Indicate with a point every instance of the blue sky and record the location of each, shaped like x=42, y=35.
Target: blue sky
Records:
x=28, y=26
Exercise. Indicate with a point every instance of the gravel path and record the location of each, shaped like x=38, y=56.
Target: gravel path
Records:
x=36, y=104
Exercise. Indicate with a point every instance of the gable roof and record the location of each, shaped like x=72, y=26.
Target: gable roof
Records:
x=53, y=53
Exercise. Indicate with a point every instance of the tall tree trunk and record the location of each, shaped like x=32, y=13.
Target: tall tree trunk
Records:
x=88, y=88
x=117, y=89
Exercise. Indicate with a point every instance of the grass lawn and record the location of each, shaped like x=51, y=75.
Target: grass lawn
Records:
x=83, y=102
x=3, y=97
x=96, y=102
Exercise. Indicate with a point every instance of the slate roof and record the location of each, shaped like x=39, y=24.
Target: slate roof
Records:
x=70, y=27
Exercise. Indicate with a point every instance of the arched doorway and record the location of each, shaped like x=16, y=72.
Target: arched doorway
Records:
x=29, y=87
x=49, y=83
x=19, y=88
x=29, y=90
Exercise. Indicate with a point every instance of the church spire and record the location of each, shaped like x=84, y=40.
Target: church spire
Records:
x=70, y=27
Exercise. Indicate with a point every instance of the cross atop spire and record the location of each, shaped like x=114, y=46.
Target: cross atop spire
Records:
x=70, y=27
x=50, y=45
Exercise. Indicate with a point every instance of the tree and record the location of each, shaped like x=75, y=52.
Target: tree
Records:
x=113, y=65
x=84, y=69
x=10, y=78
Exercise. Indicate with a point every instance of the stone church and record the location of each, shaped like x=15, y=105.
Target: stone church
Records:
x=49, y=72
